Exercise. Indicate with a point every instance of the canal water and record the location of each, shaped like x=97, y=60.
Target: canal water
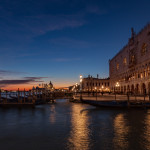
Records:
x=74, y=126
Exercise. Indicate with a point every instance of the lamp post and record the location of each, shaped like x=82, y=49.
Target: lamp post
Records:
x=102, y=89
x=81, y=86
x=0, y=95
x=76, y=88
x=116, y=86
x=96, y=92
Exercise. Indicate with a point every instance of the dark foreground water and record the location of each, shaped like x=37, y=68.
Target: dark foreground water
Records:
x=74, y=126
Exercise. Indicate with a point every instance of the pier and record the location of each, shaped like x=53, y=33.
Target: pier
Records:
x=30, y=98
x=113, y=100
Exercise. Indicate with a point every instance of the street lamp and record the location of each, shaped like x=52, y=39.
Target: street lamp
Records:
x=102, y=89
x=76, y=88
x=116, y=86
x=96, y=92
x=81, y=86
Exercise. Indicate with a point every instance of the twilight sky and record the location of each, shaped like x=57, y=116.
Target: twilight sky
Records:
x=57, y=40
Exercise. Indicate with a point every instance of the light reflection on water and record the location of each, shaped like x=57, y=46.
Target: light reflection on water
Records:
x=146, y=141
x=121, y=132
x=73, y=126
x=79, y=134
x=52, y=115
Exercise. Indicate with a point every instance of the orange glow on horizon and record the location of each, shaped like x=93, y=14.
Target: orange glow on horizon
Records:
x=28, y=87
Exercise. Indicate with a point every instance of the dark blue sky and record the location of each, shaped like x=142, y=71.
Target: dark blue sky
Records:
x=61, y=39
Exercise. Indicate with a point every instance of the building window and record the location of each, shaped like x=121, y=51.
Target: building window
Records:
x=125, y=61
x=117, y=66
x=132, y=58
x=141, y=75
x=144, y=49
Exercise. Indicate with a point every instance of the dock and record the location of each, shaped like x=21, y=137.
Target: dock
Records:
x=114, y=101
x=30, y=98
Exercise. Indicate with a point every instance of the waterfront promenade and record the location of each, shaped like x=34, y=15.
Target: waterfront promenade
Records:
x=112, y=97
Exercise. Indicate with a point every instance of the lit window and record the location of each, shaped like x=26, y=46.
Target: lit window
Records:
x=125, y=61
x=132, y=58
x=117, y=66
x=144, y=49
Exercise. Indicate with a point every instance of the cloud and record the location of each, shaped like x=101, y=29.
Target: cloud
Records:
x=44, y=23
x=31, y=26
x=29, y=19
x=9, y=72
x=15, y=81
x=25, y=80
x=34, y=78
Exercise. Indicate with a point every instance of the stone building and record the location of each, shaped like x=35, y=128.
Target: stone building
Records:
x=95, y=84
x=46, y=86
x=130, y=68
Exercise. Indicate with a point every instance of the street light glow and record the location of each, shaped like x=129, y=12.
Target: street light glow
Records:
x=117, y=84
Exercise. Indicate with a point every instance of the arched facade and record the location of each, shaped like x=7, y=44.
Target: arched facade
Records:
x=131, y=65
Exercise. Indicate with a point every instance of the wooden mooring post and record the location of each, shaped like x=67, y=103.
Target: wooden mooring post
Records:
x=6, y=97
x=24, y=96
x=18, y=96
x=0, y=94
x=128, y=97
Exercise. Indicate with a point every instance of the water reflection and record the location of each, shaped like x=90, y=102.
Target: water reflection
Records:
x=79, y=134
x=67, y=125
x=121, y=132
x=52, y=116
x=146, y=142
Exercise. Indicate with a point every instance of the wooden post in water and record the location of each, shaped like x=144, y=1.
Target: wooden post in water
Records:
x=42, y=95
x=24, y=96
x=135, y=97
x=18, y=96
x=21, y=97
x=6, y=96
x=40, y=91
x=0, y=94
x=115, y=92
x=36, y=94
x=29, y=96
x=96, y=94
x=32, y=96
x=128, y=99
x=45, y=96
